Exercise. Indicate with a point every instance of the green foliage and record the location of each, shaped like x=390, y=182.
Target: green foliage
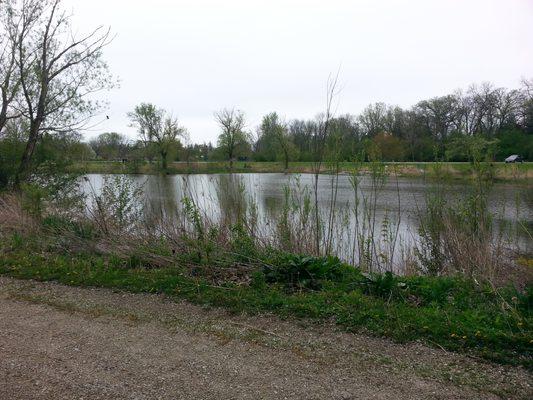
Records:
x=453, y=313
x=514, y=142
x=274, y=142
x=59, y=224
x=242, y=244
x=110, y=146
x=382, y=285
x=51, y=191
x=11, y=150
x=389, y=147
x=430, y=252
x=158, y=131
x=53, y=155
x=456, y=231
x=297, y=272
x=474, y=148
x=233, y=140
x=116, y=207
x=33, y=199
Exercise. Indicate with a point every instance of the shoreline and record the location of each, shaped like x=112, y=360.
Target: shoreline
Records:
x=517, y=173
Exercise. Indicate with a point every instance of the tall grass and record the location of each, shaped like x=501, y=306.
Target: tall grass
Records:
x=454, y=235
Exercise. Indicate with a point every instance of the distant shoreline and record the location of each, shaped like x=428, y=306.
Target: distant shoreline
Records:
x=450, y=170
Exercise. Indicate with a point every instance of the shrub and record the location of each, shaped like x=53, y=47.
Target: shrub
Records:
x=297, y=272
x=384, y=285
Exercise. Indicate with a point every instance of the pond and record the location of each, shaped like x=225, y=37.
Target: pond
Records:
x=390, y=210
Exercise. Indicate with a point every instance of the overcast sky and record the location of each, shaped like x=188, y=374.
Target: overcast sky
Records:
x=194, y=57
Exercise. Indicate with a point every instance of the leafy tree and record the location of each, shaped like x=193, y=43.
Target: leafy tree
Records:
x=473, y=148
x=81, y=151
x=109, y=145
x=514, y=142
x=157, y=130
x=168, y=141
x=389, y=147
x=198, y=152
x=301, y=133
x=346, y=138
x=274, y=139
x=57, y=70
x=233, y=139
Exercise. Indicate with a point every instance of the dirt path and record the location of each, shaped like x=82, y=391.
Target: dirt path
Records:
x=58, y=342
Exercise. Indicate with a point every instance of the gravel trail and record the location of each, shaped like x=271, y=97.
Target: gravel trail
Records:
x=59, y=342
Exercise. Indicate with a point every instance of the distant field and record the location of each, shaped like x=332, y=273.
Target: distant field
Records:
x=502, y=171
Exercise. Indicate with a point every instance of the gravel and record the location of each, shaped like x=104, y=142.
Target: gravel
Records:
x=59, y=342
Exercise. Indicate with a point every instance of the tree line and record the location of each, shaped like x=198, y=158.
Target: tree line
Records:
x=49, y=75
x=495, y=122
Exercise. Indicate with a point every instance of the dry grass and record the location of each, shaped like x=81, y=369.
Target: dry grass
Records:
x=13, y=218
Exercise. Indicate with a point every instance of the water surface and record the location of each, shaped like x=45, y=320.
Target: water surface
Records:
x=396, y=204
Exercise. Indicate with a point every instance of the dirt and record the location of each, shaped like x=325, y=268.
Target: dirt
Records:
x=59, y=342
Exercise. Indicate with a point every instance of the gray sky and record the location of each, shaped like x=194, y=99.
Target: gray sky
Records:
x=194, y=57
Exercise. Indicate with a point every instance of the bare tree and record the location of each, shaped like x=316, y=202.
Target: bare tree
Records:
x=58, y=72
x=373, y=119
x=527, y=105
x=187, y=146
x=527, y=85
x=319, y=144
x=9, y=79
x=232, y=123
x=438, y=114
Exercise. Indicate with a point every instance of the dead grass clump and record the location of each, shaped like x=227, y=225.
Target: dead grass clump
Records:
x=13, y=217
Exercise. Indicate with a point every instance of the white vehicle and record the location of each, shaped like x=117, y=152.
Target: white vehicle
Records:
x=513, y=159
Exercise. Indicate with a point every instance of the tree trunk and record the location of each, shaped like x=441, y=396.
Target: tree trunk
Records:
x=28, y=152
x=164, y=160
x=3, y=113
x=230, y=159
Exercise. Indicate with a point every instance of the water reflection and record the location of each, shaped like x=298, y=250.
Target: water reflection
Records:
x=227, y=197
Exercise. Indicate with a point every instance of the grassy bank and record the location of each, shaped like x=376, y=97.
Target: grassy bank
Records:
x=449, y=312
x=456, y=170
x=452, y=297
